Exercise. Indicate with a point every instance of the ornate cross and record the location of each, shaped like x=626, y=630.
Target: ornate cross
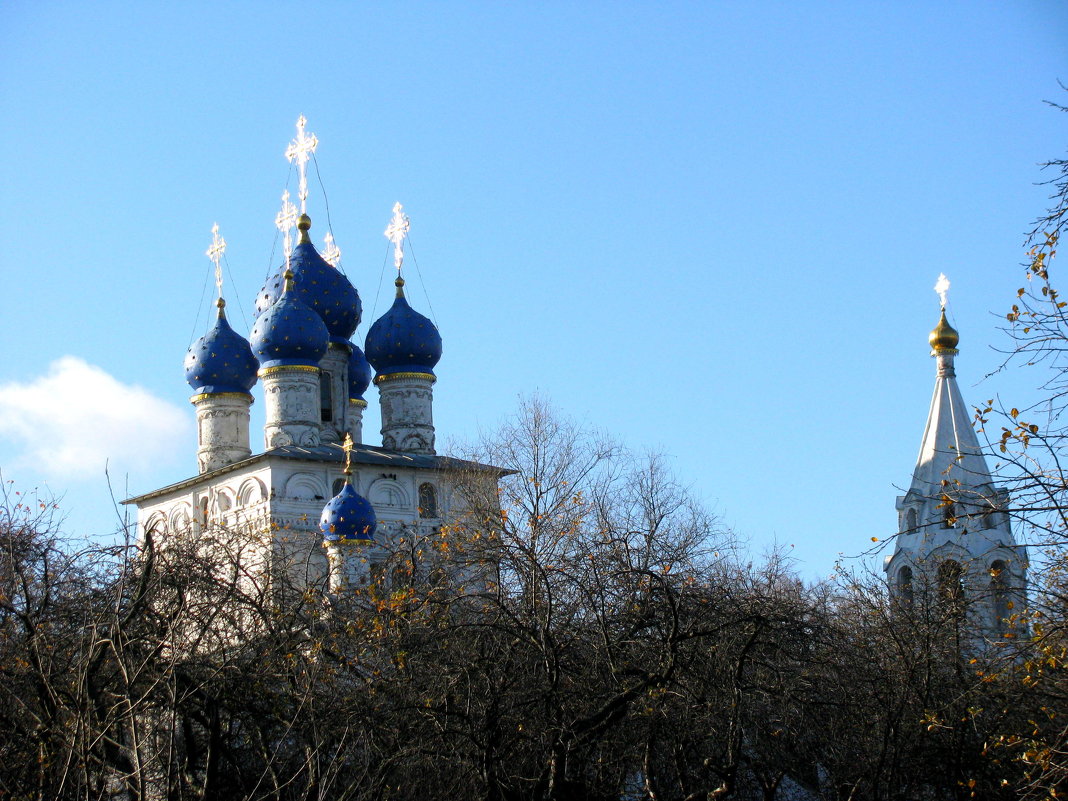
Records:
x=395, y=233
x=215, y=252
x=331, y=252
x=299, y=150
x=942, y=288
x=285, y=222
x=347, y=447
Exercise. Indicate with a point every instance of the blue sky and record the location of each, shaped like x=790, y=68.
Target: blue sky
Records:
x=709, y=228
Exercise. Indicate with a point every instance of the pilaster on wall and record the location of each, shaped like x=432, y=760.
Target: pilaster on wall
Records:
x=355, y=419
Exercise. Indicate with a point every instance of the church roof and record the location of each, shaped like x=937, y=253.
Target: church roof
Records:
x=402, y=340
x=330, y=454
x=950, y=449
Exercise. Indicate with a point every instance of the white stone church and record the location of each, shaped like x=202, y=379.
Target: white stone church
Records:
x=307, y=494
x=316, y=489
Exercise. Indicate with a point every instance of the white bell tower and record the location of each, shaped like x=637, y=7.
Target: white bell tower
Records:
x=954, y=544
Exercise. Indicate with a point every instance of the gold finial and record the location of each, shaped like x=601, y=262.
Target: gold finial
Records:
x=221, y=304
x=288, y=278
x=944, y=337
x=347, y=447
x=303, y=225
x=399, y=283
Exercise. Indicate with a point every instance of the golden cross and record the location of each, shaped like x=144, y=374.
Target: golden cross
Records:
x=285, y=220
x=395, y=233
x=942, y=288
x=331, y=252
x=299, y=150
x=347, y=447
x=215, y=252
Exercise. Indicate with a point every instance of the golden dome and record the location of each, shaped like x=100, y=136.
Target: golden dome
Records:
x=944, y=337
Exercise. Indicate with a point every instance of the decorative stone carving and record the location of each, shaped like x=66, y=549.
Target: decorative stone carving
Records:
x=222, y=429
x=292, y=407
x=407, y=403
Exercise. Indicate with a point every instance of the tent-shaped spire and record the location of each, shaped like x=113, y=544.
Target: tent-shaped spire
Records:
x=950, y=459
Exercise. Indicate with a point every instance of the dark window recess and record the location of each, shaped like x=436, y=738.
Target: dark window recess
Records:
x=338, y=484
x=949, y=515
x=951, y=583
x=326, y=398
x=428, y=501
x=999, y=586
x=904, y=584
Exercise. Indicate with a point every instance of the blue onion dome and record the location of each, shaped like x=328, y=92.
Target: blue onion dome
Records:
x=289, y=333
x=320, y=285
x=348, y=517
x=221, y=360
x=402, y=340
x=359, y=373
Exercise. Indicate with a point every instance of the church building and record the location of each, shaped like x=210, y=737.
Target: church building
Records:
x=955, y=543
x=317, y=496
x=321, y=501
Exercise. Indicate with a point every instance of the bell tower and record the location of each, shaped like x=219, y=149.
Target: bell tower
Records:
x=955, y=544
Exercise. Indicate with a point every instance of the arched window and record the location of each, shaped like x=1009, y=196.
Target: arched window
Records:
x=401, y=577
x=428, y=501
x=949, y=514
x=951, y=584
x=204, y=514
x=999, y=590
x=338, y=484
x=910, y=521
x=326, y=397
x=904, y=584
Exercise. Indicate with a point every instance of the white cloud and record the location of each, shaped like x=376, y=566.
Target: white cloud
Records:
x=67, y=423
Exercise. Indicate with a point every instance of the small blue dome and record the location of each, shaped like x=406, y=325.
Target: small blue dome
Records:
x=289, y=333
x=348, y=517
x=322, y=287
x=402, y=340
x=220, y=361
x=359, y=373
